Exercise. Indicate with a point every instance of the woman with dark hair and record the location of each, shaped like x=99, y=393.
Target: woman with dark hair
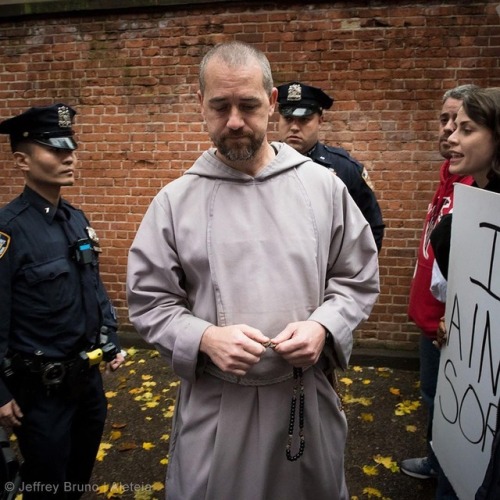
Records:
x=474, y=151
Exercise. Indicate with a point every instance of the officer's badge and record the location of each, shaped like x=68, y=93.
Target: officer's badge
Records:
x=94, y=239
x=4, y=243
x=294, y=92
x=64, y=117
x=366, y=178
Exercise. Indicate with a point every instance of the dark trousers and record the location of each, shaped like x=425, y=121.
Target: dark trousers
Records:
x=429, y=369
x=59, y=438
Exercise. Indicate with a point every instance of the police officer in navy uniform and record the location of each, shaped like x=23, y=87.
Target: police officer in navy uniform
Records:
x=301, y=114
x=57, y=322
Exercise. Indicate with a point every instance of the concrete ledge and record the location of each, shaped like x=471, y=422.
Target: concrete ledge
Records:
x=398, y=359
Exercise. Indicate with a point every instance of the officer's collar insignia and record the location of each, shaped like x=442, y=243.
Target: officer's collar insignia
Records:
x=4, y=243
x=294, y=92
x=94, y=238
x=64, y=117
x=47, y=210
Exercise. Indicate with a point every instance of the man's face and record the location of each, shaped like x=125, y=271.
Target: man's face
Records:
x=300, y=132
x=45, y=167
x=447, y=124
x=236, y=109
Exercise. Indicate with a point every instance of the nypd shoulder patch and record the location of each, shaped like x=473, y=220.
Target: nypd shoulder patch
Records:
x=367, y=179
x=4, y=243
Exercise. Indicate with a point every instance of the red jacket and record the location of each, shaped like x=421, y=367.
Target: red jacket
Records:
x=423, y=309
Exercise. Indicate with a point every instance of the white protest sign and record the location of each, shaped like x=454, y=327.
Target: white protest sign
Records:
x=467, y=393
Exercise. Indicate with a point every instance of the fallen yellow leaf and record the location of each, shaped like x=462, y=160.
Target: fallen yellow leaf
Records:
x=115, y=435
x=164, y=461
x=396, y=392
x=346, y=381
x=406, y=407
x=348, y=399
x=387, y=462
x=170, y=412
x=145, y=396
x=367, y=417
x=372, y=492
x=116, y=490
x=357, y=369
x=143, y=494
x=157, y=486
x=131, y=351
x=165, y=437
x=101, y=453
x=104, y=488
x=384, y=372
x=411, y=428
x=111, y=394
x=366, y=382
x=148, y=446
x=370, y=470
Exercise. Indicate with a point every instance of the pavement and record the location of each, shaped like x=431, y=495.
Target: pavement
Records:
x=387, y=424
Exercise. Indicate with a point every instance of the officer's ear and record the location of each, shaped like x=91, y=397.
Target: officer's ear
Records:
x=22, y=161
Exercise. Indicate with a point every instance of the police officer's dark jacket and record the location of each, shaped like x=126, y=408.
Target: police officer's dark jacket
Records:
x=41, y=305
x=354, y=176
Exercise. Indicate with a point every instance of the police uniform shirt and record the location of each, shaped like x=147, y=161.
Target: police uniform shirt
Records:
x=355, y=177
x=41, y=302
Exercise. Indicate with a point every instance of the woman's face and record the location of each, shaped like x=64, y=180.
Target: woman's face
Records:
x=472, y=149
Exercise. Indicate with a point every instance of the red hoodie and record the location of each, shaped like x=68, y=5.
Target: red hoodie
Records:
x=423, y=309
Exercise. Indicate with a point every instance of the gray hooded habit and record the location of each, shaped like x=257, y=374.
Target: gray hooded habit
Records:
x=220, y=247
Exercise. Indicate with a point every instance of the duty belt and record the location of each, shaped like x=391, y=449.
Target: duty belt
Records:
x=51, y=373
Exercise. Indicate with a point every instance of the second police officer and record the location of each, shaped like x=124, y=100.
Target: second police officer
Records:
x=301, y=114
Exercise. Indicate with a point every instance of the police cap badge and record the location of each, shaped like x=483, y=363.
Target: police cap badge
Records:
x=47, y=125
x=297, y=99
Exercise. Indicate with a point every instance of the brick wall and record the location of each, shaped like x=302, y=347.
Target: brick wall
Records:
x=132, y=76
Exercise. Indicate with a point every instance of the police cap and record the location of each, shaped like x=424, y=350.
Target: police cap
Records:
x=297, y=99
x=47, y=125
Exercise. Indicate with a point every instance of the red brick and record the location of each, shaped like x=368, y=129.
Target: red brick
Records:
x=133, y=78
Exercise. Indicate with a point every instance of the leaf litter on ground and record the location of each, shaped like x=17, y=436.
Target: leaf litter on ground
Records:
x=133, y=456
